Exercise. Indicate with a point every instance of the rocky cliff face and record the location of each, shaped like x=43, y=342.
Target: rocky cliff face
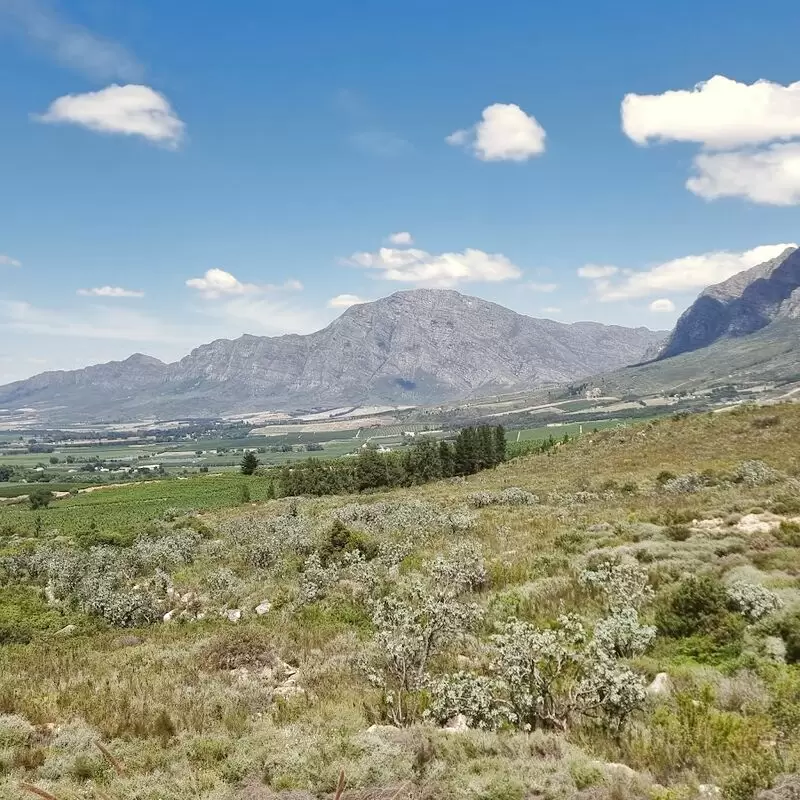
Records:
x=414, y=347
x=745, y=303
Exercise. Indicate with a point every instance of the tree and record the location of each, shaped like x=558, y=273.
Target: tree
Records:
x=39, y=498
x=249, y=463
x=500, y=445
x=5, y=473
x=54, y=459
x=446, y=459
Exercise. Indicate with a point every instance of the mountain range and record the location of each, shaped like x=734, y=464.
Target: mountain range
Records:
x=414, y=347
x=427, y=346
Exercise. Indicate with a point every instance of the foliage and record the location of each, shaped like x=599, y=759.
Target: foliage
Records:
x=753, y=601
x=249, y=463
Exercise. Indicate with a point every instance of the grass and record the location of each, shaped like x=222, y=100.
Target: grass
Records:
x=164, y=703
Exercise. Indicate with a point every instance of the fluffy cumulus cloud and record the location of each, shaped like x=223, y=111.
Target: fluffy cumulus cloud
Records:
x=436, y=269
x=505, y=133
x=662, y=306
x=132, y=110
x=345, y=301
x=401, y=239
x=7, y=261
x=686, y=274
x=109, y=291
x=217, y=283
x=750, y=135
x=770, y=175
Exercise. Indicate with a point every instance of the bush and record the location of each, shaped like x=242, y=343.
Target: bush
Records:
x=239, y=647
x=339, y=539
x=698, y=610
x=39, y=498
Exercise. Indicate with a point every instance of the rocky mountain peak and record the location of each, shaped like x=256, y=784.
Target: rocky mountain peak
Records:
x=741, y=305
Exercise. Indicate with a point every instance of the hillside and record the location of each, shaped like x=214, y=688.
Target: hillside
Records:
x=398, y=636
x=414, y=347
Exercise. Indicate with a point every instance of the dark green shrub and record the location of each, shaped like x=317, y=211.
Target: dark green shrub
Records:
x=340, y=540
x=39, y=498
x=697, y=609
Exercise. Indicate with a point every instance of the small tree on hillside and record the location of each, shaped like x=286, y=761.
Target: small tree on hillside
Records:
x=249, y=463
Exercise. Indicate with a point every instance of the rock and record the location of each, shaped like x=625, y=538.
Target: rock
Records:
x=661, y=686
x=707, y=525
x=784, y=787
x=60, y=495
x=67, y=630
x=758, y=523
x=187, y=598
x=600, y=527
x=458, y=724
x=233, y=614
x=708, y=791
x=263, y=607
x=170, y=615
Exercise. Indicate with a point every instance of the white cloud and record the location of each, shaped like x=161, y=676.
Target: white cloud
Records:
x=7, y=261
x=345, y=301
x=403, y=238
x=719, y=113
x=68, y=43
x=542, y=287
x=662, y=306
x=217, y=283
x=436, y=269
x=505, y=133
x=770, y=175
x=109, y=291
x=757, y=126
x=594, y=271
x=686, y=274
x=132, y=110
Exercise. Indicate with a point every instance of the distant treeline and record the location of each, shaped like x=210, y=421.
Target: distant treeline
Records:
x=473, y=450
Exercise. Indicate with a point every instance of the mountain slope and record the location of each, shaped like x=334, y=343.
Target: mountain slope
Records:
x=419, y=346
x=742, y=305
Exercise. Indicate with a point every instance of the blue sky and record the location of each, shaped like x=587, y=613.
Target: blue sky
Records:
x=178, y=172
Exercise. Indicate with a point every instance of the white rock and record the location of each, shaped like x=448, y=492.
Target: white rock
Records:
x=661, y=686
x=612, y=766
x=233, y=614
x=170, y=615
x=458, y=724
x=187, y=598
x=263, y=608
x=67, y=630
x=758, y=523
x=708, y=790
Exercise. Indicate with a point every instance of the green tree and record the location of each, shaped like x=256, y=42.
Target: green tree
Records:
x=446, y=459
x=39, y=498
x=5, y=473
x=427, y=464
x=249, y=463
x=500, y=445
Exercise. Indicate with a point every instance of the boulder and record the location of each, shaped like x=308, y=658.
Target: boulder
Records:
x=233, y=614
x=67, y=630
x=661, y=686
x=263, y=608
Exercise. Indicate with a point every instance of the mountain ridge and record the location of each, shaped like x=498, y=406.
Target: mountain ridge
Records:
x=740, y=306
x=412, y=347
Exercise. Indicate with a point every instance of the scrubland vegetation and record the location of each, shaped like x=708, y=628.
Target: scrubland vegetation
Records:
x=615, y=617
